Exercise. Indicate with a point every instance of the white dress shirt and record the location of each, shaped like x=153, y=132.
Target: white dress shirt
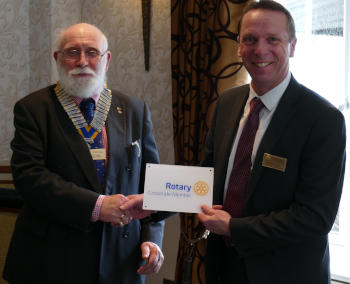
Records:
x=270, y=101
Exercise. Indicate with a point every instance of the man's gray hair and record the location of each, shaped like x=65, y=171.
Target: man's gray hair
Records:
x=60, y=35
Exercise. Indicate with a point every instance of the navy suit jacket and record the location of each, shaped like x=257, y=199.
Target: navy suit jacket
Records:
x=54, y=240
x=282, y=235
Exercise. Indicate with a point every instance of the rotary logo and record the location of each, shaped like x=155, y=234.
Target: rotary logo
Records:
x=201, y=188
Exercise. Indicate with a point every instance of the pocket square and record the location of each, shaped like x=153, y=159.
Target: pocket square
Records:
x=136, y=143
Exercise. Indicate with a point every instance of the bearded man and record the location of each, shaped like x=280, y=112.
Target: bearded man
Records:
x=79, y=149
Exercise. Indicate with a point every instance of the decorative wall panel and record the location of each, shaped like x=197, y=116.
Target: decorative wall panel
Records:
x=14, y=67
x=121, y=21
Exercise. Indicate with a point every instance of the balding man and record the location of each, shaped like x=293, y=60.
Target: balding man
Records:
x=79, y=149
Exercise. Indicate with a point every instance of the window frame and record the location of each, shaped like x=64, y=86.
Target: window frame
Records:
x=339, y=241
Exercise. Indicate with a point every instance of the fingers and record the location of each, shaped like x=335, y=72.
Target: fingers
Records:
x=117, y=225
x=217, y=207
x=215, y=220
x=133, y=203
x=134, y=200
x=120, y=210
x=110, y=211
x=133, y=207
x=145, y=249
x=207, y=210
x=123, y=220
x=154, y=256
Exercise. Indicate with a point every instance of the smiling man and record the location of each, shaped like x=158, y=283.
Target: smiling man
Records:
x=265, y=47
x=79, y=149
x=278, y=150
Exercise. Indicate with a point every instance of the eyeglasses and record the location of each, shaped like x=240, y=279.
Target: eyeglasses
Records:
x=75, y=54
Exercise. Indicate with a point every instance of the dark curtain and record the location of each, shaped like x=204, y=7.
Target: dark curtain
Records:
x=204, y=63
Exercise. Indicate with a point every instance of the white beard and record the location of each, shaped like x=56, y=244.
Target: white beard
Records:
x=84, y=87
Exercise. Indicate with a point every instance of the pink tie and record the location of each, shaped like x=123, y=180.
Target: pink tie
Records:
x=240, y=173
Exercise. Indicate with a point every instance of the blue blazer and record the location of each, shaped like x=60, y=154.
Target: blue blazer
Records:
x=282, y=235
x=54, y=240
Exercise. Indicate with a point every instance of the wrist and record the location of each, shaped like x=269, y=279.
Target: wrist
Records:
x=95, y=216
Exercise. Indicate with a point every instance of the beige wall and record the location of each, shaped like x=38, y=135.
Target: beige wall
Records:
x=122, y=23
x=27, y=33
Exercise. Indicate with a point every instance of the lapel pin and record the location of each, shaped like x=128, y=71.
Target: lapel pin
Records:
x=119, y=110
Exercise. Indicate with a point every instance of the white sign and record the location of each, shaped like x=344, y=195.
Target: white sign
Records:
x=178, y=188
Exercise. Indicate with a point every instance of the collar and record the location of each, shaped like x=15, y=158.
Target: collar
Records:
x=78, y=100
x=272, y=97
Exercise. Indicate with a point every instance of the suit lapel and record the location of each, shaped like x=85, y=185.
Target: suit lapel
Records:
x=227, y=124
x=116, y=125
x=77, y=145
x=285, y=111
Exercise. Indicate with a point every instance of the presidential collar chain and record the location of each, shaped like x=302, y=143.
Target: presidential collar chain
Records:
x=74, y=113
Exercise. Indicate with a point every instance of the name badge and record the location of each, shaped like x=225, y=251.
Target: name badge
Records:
x=98, y=154
x=274, y=162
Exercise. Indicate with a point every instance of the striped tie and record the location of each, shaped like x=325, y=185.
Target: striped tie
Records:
x=87, y=107
x=234, y=201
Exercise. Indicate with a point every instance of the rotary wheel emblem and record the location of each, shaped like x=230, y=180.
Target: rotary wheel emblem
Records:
x=201, y=188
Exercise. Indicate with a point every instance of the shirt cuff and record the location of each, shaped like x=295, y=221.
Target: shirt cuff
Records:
x=97, y=209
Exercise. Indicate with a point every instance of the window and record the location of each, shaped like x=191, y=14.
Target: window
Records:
x=322, y=63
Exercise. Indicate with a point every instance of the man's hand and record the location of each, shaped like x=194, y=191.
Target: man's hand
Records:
x=154, y=256
x=110, y=211
x=215, y=219
x=133, y=207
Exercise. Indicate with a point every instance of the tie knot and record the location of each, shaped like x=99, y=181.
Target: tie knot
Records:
x=256, y=105
x=87, y=108
x=87, y=104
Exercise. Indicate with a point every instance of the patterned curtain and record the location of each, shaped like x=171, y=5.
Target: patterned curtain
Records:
x=204, y=63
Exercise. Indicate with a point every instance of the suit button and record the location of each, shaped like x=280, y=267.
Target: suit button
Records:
x=125, y=234
x=129, y=170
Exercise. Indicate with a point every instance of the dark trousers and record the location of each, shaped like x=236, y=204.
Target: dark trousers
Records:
x=223, y=264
